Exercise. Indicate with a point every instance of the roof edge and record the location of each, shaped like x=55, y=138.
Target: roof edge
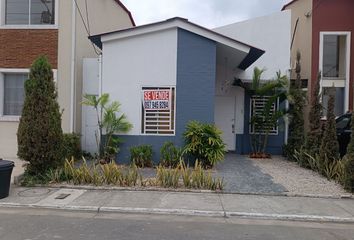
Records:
x=96, y=39
x=127, y=11
x=288, y=4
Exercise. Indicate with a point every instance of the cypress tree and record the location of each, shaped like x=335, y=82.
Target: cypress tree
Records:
x=296, y=126
x=348, y=159
x=350, y=147
x=329, y=150
x=39, y=133
x=313, y=140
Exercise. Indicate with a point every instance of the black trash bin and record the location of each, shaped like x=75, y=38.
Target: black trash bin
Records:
x=5, y=177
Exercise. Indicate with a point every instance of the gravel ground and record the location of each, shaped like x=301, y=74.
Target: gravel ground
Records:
x=297, y=180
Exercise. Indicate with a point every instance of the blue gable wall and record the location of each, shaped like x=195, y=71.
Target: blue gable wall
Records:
x=195, y=92
x=196, y=73
x=275, y=142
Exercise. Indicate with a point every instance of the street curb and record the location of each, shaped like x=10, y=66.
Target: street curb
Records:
x=142, y=189
x=185, y=212
x=182, y=212
x=291, y=217
x=346, y=196
x=157, y=189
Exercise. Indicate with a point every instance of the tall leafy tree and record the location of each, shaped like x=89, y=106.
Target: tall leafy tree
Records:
x=298, y=101
x=39, y=133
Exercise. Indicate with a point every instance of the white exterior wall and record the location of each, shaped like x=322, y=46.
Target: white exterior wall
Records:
x=223, y=87
x=141, y=61
x=271, y=33
x=90, y=85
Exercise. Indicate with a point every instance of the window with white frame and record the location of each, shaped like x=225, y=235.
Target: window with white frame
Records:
x=158, y=110
x=13, y=93
x=334, y=56
x=29, y=12
x=334, y=62
x=257, y=105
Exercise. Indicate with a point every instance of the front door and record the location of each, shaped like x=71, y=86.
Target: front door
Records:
x=225, y=119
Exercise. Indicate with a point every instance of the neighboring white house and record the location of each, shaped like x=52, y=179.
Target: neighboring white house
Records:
x=271, y=33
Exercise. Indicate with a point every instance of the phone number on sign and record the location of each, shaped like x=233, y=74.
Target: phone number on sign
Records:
x=152, y=105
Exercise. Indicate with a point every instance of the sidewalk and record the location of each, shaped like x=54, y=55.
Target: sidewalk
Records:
x=184, y=203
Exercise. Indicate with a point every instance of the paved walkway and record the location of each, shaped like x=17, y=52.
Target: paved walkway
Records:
x=242, y=176
x=184, y=203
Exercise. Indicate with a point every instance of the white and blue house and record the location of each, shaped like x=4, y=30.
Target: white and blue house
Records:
x=168, y=73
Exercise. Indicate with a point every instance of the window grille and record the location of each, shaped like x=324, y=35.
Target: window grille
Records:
x=158, y=117
x=257, y=106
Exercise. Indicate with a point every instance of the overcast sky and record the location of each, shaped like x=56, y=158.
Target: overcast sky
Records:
x=208, y=13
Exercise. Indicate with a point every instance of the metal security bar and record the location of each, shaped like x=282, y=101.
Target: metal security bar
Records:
x=159, y=121
x=257, y=105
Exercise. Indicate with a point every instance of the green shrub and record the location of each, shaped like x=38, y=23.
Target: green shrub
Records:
x=204, y=143
x=348, y=172
x=39, y=135
x=348, y=163
x=72, y=146
x=303, y=158
x=112, y=174
x=141, y=156
x=170, y=155
x=29, y=179
x=192, y=178
x=109, y=174
x=167, y=177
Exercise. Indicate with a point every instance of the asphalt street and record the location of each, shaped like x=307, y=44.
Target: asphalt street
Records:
x=35, y=224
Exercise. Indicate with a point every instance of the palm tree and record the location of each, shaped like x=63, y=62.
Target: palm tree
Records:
x=108, y=124
x=270, y=91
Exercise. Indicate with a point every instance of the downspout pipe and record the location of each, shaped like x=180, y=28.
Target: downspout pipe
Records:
x=73, y=59
x=100, y=75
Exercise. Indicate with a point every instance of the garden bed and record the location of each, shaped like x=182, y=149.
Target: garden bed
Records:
x=128, y=177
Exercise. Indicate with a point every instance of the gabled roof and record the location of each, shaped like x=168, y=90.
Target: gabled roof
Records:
x=126, y=10
x=253, y=53
x=288, y=4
